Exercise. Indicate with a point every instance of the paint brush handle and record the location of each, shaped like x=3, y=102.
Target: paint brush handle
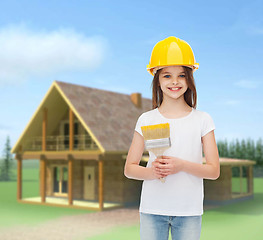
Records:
x=162, y=180
x=158, y=152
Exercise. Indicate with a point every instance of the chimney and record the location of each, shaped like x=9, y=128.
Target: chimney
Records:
x=137, y=99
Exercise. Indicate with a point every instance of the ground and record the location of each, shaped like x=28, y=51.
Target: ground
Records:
x=77, y=227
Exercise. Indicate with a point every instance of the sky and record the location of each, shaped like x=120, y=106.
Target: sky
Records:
x=107, y=45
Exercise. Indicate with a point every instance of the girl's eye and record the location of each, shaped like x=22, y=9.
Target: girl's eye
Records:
x=182, y=75
x=166, y=76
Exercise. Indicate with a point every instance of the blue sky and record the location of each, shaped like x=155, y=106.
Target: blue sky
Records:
x=107, y=45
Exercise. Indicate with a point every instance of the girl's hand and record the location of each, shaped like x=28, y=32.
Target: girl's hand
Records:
x=156, y=171
x=168, y=165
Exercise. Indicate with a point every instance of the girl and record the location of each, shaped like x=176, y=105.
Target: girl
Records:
x=176, y=204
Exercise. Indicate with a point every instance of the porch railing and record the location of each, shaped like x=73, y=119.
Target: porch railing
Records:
x=61, y=143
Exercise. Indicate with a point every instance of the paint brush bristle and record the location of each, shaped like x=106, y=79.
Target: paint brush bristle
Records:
x=156, y=131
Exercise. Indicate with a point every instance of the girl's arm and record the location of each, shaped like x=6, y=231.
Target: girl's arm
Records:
x=132, y=168
x=211, y=170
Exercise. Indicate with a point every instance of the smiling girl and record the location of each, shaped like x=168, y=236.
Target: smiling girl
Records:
x=176, y=204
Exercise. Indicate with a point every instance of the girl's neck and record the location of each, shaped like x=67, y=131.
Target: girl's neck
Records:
x=174, y=106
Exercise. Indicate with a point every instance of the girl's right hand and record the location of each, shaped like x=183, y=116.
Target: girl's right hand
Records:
x=156, y=171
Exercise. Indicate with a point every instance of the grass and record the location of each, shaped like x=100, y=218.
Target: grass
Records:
x=14, y=213
x=240, y=221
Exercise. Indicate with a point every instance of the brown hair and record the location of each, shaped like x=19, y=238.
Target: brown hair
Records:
x=190, y=96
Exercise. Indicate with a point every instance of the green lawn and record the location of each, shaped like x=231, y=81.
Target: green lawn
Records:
x=14, y=213
x=240, y=221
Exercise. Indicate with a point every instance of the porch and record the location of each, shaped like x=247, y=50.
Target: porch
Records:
x=63, y=202
x=63, y=180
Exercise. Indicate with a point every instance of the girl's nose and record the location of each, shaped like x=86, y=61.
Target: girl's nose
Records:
x=174, y=80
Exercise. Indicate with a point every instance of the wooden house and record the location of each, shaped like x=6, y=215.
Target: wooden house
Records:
x=234, y=184
x=81, y=137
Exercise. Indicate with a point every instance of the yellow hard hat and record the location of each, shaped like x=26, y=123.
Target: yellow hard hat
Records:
x=171, y=51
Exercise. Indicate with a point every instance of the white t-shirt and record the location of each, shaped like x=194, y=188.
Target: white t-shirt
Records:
x=182, y=193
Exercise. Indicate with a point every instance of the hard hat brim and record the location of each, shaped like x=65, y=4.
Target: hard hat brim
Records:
x=153, y=70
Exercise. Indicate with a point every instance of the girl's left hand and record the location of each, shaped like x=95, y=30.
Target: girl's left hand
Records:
x=168, y=165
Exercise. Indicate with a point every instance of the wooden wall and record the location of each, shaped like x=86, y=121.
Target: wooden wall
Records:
x=113, y=178
x=132, y=190
x=119, y=189
x=221, y=188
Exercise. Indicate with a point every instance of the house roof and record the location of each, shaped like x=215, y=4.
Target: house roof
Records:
x=235, y=162
x=109, y=117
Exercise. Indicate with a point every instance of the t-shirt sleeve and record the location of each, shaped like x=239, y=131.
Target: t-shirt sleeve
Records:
x=207, y=124
x=139, y=124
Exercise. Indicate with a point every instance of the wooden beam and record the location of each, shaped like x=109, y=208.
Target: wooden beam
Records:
x=241, y=179
x=70, y=158
x=70, y=180
x=101, y=187
x=43, y=178
x=250, y=179
x=44, y=129
x=19, y=177
x=71, y=130
x=62, y=155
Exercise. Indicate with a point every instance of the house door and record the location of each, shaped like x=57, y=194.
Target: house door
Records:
x=89, y=183
x=60, y=180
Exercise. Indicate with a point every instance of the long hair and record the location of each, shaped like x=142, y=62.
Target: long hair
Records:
x=190, y=96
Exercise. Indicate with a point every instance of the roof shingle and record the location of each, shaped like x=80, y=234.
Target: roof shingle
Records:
x=110, y=116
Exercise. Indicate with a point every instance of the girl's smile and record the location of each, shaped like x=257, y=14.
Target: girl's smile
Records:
x=173, y=89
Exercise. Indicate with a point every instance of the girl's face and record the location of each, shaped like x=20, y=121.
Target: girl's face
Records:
x=173, y=82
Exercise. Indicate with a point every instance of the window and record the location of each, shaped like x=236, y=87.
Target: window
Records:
x=66, y=134
x=240, y=181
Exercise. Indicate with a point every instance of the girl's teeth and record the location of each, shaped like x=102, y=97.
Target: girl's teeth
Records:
x=175, y=88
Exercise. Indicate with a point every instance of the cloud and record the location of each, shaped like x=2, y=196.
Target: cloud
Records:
x=247, y=84
x=25, y=53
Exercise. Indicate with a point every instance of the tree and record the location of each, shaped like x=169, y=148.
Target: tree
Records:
x=232, y=150
x=259, y=152
x=238, y=153
x=6, y=163
x=250, y=153
x=243, y=149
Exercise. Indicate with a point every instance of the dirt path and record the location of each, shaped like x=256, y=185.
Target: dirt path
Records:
x=78, y=227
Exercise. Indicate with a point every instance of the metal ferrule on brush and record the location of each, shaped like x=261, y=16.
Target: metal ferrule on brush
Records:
x=157, y=143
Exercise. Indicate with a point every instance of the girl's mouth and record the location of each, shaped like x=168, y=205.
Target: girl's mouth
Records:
x=175, y=89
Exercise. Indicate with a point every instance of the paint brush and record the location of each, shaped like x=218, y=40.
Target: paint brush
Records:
x=157, y=139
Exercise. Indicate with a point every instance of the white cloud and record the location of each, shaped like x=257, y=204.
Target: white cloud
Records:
x=25, y=53
x=247, y=84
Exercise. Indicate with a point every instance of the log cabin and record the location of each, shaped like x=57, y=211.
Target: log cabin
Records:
x=81, y=137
